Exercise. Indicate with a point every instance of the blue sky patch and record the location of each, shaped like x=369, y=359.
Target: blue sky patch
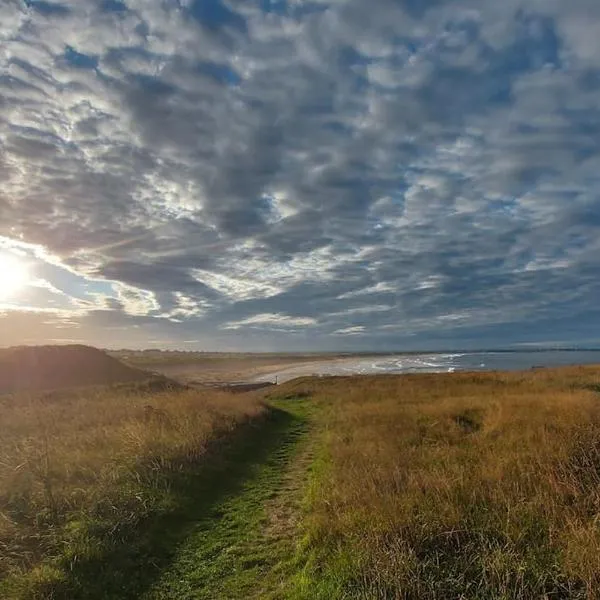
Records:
x=215, y=15
x=113, y=6
x=48, y=8
x=77, y=59
x=279, y=7
x=220, y=73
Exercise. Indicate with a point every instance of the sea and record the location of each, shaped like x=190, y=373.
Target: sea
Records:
x=479, y=361
x=450, y=362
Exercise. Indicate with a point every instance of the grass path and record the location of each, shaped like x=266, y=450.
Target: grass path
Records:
x=227, y=532
x=243, y=546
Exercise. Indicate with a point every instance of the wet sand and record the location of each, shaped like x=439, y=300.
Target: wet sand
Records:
x=364, y=365
x=319, y=368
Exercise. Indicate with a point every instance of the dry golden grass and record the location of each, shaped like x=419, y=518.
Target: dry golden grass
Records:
x=471, y=486
x=457, y=486
x=72, y=460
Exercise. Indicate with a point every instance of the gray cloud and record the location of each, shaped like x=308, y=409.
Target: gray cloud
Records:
x=384, y=173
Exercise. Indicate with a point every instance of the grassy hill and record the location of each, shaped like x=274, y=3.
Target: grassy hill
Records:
x=31, y=368
x=464, y=485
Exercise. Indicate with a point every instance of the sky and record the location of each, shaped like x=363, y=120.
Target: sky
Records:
x=300, y=174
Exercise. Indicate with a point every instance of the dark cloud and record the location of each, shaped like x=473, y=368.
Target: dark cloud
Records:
x=302, y=174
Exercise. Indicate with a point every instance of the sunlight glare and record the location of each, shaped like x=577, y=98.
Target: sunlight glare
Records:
x=13, y=275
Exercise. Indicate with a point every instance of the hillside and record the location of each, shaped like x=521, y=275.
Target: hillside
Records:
x=35, y=368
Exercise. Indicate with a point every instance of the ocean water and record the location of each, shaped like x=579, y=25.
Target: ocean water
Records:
x=437, y=363
x=476, y=361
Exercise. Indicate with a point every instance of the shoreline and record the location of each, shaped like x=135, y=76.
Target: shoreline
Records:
x=239, y=372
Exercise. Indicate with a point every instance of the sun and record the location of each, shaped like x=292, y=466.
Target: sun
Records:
x=13, y=275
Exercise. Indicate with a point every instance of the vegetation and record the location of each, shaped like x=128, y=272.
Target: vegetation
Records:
x=456, y=486
x=82, y=473
x=244, y=546
x=419, y=486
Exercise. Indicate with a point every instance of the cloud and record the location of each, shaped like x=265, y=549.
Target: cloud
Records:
x=395, y=170
x=271, y=320
x=350, y=330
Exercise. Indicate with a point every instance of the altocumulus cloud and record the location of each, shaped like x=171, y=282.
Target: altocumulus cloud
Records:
x=301, y=174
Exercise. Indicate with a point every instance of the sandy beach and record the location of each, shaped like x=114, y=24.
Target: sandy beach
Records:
x=216, y=369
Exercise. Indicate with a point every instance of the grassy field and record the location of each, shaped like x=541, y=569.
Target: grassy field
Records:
x=418, y=486
x=83, y=473
x=456, y=486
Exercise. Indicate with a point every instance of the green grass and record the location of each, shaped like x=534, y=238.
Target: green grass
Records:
x=210, y=540
x=233, y=551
